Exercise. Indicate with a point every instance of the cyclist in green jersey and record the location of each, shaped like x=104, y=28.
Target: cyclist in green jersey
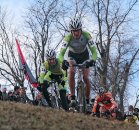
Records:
x=51, y=69
x=79, y=43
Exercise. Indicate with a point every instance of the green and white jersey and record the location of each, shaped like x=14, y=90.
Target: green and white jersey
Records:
x=78, y=45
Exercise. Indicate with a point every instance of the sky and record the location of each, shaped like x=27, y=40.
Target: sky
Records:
x=17, y=8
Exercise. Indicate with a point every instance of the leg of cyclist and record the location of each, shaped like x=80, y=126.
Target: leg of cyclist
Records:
x=78, y=58
x=88, y=86
x=62, y=91
x=46, y=93
x=63, y=99
x=71, y=80
x=113, y=114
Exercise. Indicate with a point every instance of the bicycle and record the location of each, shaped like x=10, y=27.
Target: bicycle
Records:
x=54, y=94
x=109, y=114
x=81, y=100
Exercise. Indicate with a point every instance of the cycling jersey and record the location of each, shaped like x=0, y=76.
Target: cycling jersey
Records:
x=47, y=70
x=55, y=69
x=78, y=46
x=105, y=100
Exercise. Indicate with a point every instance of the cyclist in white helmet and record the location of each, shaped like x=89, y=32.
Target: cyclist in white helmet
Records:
x=79, y=43
x=51, y=69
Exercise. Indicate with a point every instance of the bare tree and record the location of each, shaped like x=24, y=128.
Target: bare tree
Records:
x=114, y=72
x=137, y=99
x=39, y=21
x=9, y=67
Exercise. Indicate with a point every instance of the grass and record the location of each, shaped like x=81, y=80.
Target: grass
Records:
x=17, y=116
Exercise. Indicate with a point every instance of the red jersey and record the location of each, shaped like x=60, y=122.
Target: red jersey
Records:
x=106, y=100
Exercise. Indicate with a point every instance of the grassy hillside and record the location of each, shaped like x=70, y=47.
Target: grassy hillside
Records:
x=16, y=116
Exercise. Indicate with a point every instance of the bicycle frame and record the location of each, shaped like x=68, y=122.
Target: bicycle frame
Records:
x=81, y=91
x=55, y=96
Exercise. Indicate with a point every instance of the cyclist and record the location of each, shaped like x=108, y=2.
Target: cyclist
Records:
x=105, y=102
x=77, y=43
x=51, y=69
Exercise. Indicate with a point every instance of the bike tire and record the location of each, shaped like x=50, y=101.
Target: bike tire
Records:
x=56, y=103
x=81, y=98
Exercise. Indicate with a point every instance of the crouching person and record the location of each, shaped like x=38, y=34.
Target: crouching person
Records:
x=105, y=103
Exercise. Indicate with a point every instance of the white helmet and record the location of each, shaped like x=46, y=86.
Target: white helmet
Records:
x=75, y=24
x=50, y=54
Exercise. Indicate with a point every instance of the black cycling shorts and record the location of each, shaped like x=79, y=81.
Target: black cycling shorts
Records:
x=79, y=57
x=56, y=77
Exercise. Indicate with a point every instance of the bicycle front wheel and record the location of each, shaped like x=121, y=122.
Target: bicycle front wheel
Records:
x=56, y=103
x=81, y=98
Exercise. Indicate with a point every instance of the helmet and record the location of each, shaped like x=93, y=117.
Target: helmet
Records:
x=75, y=24
x=50, y=54
x=100, y=90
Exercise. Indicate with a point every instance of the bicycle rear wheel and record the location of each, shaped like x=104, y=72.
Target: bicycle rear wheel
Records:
x=81, y=98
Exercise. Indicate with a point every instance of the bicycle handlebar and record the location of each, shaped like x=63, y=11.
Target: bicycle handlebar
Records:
x=82, y=65
x=52, y=81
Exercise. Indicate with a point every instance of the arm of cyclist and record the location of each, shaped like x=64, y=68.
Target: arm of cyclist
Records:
x=43, y=71
x=62, y=52
x=41, y=77
x=95, y=106
x=64, y=47
x=64, y=77
x=114, y=105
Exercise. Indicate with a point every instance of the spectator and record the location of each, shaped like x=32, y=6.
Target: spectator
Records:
x=131, y=118
x=23, y=96
x=40, y=101
x=4, y=94
x=0, y=93
x=16, y=93
x=130, y=110
x=10, y=96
